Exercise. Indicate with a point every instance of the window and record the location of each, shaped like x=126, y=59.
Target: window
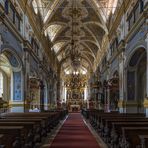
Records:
x=35, y=46
x=6, y=6
x=13, y=10
x=17, y=22
x=114, y=46
x=1, y=84
x=12, y=14
x=134, y=15
x=141, y=6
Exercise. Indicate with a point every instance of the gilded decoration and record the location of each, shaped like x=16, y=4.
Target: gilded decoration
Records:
x=145, y=103
x=75, y=85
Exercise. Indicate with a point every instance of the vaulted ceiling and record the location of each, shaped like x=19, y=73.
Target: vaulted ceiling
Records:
x=76, y=27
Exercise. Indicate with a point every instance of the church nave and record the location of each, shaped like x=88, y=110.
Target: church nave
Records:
x=73, y=73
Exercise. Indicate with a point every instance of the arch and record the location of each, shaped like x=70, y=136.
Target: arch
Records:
x=92, y=35
x=89, y=49
x=136, y=77
x=86, y=59
x=63, y=48
x=98, y=24
x=130, y=54
x=12, y=65
x=134, y=59
x=5, y=84
x=9, y=51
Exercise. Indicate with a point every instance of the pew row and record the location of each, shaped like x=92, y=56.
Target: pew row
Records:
x=26, y=130
x=120, y=130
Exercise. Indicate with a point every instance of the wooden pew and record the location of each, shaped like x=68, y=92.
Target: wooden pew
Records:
x=14, y=136
x=103, y=125
x=2, y=137
x=37, y=126
x=52, y=119
x=29, y=138
x=106, y=124
x=102, y=116
x=41, y=116
x=144, y=141
x=130, y=136
x=103, y=122
x=38, y=121
x=44, y=124
x=116, y=130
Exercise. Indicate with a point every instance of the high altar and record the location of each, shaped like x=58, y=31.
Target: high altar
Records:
x=75, y=85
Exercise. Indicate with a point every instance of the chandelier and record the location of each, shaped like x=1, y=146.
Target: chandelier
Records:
x=75, y=57
x=75, y=54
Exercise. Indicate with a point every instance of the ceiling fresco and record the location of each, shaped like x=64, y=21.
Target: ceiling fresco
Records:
x=76, y=29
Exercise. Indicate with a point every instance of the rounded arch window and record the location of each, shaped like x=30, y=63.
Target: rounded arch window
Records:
x=135, y=57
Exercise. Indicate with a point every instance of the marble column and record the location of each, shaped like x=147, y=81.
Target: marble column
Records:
x=121, y=83
x=108, y=100
x=42, y=95
x=146, y=40
x=26, y=106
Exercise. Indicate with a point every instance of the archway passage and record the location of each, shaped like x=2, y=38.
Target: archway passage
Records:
x=75, y=134
x=136, y=78
x=11, y=80
x=5, y=82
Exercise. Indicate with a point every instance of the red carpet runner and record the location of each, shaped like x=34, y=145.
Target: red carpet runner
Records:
x=74, y=134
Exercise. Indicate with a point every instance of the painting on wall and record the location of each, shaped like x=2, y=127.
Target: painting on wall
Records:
x=34, y=87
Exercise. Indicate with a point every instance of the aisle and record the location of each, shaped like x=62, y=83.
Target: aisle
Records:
x=74, y=134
